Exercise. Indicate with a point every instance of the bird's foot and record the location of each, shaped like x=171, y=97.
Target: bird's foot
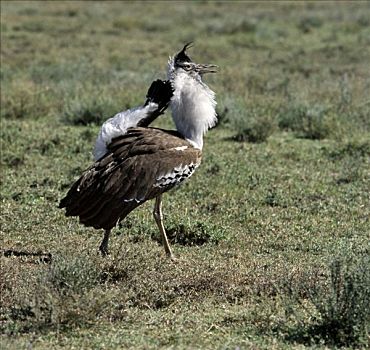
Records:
x=104, y=244
x=173, y=258
x=103, y=251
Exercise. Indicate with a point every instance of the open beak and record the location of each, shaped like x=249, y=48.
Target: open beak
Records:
x=206, y=68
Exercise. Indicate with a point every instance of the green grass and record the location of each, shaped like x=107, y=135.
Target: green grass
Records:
x=271, y=232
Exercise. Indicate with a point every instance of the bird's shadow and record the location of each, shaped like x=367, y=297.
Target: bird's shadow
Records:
x=29, y=257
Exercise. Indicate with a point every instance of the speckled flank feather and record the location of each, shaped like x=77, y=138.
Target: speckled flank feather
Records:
x=176, y=175
x=139, y=166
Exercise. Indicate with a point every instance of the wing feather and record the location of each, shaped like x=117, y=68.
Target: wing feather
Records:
x=139, y=166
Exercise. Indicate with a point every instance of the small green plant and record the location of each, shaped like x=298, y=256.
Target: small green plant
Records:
x=257, y=130
x=89, y=110
x=251, y=124
x=345, y=93
x=344, y=310
x=350, y=157
x=311, y=122
x=61, y=295
x=67, y=275
x=198, y=233
x=306, y=24
x=339, y=315
x=350, y=171
x=274, y=199
x=354, y=149
x=26, y=100
x=235, y=27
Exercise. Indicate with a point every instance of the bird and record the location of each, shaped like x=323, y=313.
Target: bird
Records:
x=144, y=162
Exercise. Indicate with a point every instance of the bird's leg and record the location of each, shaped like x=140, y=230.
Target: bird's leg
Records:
x=157, y=213
x=104, y=243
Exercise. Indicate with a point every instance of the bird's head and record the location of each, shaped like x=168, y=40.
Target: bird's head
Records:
x=182, y=63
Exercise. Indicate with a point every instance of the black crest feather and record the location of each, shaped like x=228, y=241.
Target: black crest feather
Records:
x=182, y=56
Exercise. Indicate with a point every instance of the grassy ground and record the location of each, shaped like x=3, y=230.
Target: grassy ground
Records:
x=272, y=232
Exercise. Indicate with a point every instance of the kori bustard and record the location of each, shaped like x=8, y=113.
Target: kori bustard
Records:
x=135, y=163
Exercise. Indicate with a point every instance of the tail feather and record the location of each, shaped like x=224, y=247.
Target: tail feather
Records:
x=160, y=92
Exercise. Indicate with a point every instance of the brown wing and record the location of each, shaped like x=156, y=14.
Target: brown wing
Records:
x=139, y=166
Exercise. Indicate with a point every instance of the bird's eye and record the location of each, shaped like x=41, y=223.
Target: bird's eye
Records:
x=186, y=66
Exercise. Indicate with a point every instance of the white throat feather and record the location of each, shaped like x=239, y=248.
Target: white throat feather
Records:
x=193, y=105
